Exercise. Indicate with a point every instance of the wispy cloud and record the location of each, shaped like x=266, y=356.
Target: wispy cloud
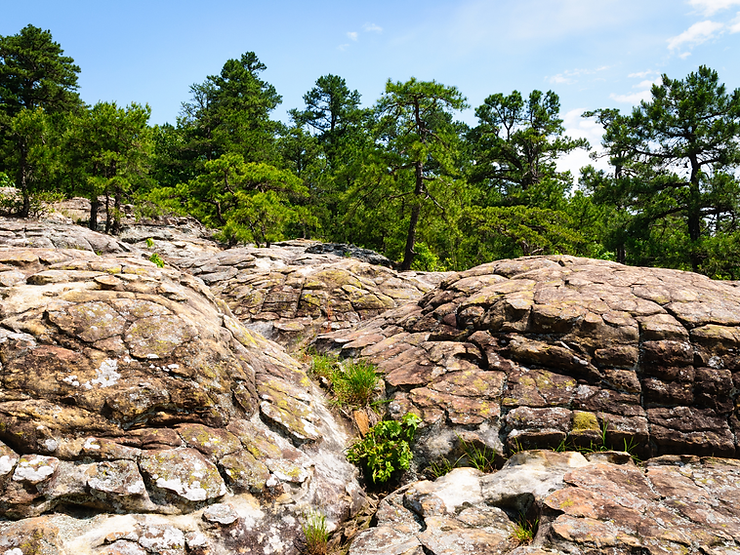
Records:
x=343, y=47
x=711, y=7
x=696, y=34
x=735, y=24
x=372, y=28
x=354, y=35
x=642, y=74
x=642, y=93
x=570, y=76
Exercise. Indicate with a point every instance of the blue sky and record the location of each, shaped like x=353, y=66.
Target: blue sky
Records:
x=592, y=53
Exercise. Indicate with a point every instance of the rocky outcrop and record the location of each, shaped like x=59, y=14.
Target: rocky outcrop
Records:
x=291, y=292
x=598, y=503
x=130, y=389
x=46, y=235
x=544, y=351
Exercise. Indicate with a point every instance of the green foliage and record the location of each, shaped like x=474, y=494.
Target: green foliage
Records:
x=316, y=533
x=108, y=153
x=482, y=458
x=157, y=260
x=353, y=382
x=34, y=73
x=674, y=160
x=38, y=203
x=248, y=202
x=385, y=449
x=515, y=147
x=525, y=530
x=149, y=242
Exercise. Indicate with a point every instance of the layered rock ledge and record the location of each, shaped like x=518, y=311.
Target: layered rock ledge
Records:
x=540, y=351
x=295, y=290
x=600, y=503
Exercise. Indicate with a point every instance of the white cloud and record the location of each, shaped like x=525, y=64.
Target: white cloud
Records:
x=570, y=76
x=642, y=74
x=710, y=7
x=372, y=28
x=353, y=35
x=735, y=25
x=580, y=127
x=696, y=34
x=634, y=98
x=643, y=93
x=343, y=47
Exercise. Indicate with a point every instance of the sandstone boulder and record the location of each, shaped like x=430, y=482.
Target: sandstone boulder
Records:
x=549, y=351
x=599, y=503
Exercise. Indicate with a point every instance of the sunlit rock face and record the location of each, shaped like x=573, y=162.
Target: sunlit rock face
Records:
x=598, y=503
x=549, y=351
x=131, y=389
x=293, y=291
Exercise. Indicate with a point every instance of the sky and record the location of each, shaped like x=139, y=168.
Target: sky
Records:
x=592, y=53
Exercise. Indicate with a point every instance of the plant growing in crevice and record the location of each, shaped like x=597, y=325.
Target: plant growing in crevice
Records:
x=353, y=383
x=157, y=260
x=525, y=529
x=482, y=458
x=316, y=533
x=385, y=449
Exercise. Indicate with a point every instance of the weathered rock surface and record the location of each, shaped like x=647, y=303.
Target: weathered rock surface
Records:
x=290, y=295
x=536, y=352
x=35, y=234
x=130, y=389
x=600, y=503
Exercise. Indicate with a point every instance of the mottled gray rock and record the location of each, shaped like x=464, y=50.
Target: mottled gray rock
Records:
x=600, y=504
x=131, y=389
x=290, y=295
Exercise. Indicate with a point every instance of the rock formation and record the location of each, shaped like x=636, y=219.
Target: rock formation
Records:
x=141, y=413
x=539, y=352
x=593, y=504
x=293, y=291
x=130, y=389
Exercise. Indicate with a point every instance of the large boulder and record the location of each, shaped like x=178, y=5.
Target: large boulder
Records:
x=130, y=389
x=562, y=351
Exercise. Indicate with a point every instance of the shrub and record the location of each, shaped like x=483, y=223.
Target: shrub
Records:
x=385, y=449
x=353, y=383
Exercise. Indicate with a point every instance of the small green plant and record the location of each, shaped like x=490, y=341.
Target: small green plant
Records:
x=385, y=449
x=440, y=467
x=355, y=383
x=481, y=458
x=157, y=260
x=525, y=530
x=149, y=242
x=317, y=534
x=323, y=366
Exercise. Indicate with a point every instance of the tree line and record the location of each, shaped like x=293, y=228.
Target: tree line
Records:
x=403, y=176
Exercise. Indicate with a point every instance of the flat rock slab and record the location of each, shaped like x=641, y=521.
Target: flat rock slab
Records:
x=557, y=350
